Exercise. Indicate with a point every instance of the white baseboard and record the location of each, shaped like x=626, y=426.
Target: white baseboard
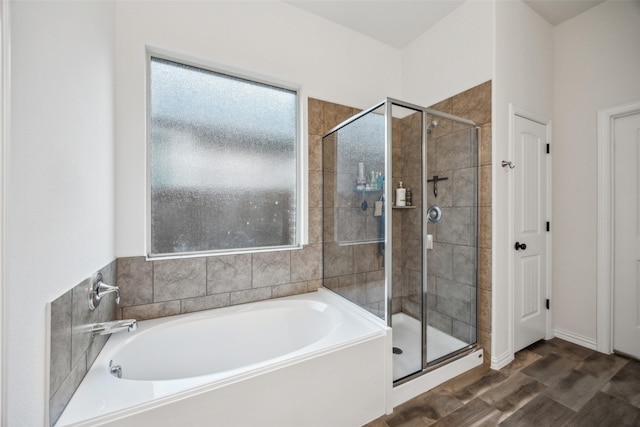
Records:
x=572, y=337
x=499, y=362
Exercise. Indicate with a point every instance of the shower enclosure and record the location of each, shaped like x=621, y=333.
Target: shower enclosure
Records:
x=414, y=266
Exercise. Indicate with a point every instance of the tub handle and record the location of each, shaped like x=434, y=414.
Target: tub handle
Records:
x=99, y=289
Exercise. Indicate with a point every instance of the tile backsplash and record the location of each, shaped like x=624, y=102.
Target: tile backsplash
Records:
x=151, y=289
x=73, y=349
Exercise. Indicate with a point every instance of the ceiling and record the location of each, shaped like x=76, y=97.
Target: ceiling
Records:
x=399, y=22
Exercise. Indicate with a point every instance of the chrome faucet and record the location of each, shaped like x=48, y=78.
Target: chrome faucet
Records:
x=99, y=289
x=106, y=328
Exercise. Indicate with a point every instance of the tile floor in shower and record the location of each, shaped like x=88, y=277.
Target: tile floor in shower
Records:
x=406, y=337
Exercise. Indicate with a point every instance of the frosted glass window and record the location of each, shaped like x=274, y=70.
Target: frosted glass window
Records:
x=223, y=161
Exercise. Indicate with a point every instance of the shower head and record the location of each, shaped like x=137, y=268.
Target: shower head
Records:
x=431, y=125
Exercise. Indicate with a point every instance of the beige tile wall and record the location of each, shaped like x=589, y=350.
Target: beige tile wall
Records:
x=475, y=104
x=73, y=348
x=450, y=264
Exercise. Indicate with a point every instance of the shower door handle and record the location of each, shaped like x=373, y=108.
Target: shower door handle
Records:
x=519, y=246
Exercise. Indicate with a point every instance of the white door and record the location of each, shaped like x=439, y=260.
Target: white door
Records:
x=530, y=231
x=626, y=255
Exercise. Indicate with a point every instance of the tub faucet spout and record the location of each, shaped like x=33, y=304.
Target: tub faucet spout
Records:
x=107, y=328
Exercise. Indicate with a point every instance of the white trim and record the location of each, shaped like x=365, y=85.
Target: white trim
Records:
x=220, y=68
x=499, y=362
x=302, y=149
x=47, y=365
x=581, y=340
x=605, y=242
x=5, y=79
x=303, y=164
x=520, y=112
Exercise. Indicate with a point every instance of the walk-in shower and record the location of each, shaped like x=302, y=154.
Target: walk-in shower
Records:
x=414, y=266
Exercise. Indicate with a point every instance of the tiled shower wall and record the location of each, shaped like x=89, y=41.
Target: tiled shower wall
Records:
x=473, y=104
x=453, y=154
x=73, y=349
x=452, y=287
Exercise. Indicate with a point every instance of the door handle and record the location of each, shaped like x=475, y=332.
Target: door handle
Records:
x=519, y=246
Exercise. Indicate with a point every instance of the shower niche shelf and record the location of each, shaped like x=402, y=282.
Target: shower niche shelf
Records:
x=404, y=207
x=368, y=190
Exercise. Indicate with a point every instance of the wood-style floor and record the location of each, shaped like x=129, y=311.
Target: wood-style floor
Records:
x=550, y=383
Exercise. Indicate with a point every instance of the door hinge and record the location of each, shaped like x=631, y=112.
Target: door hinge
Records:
x=548, y=226
x=548, y=304
x=548, y=148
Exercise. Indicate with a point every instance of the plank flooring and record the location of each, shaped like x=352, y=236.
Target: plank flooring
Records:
x=550, y=383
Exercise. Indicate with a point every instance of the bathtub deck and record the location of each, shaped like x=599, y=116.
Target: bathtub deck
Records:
x=351, y=361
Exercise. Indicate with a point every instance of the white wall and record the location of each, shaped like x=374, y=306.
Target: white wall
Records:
x=597, y=59
x=524, y=77
x=454, y=55
x=271, y=38
x=60, y=195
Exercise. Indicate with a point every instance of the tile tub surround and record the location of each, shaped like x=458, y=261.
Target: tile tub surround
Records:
x=152, y=289
x=73, y=349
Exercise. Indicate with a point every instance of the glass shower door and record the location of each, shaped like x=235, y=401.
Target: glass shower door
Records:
x=414, y=266
x=451, y=195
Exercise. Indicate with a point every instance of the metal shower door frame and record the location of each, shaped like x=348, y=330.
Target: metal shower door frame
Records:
x=387, y=106
x=388, y=193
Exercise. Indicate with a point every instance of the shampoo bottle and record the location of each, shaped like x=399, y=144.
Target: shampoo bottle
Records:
x=401, y=194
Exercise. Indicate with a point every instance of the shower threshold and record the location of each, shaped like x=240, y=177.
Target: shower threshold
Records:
x=406, y=336
x=452, y=357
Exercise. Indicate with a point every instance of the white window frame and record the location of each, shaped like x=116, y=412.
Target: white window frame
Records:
x=302, y=158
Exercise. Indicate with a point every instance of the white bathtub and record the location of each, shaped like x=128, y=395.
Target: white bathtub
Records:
x=311, y=359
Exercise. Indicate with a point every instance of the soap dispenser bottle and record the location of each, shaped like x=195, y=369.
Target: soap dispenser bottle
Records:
x=401, y=195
